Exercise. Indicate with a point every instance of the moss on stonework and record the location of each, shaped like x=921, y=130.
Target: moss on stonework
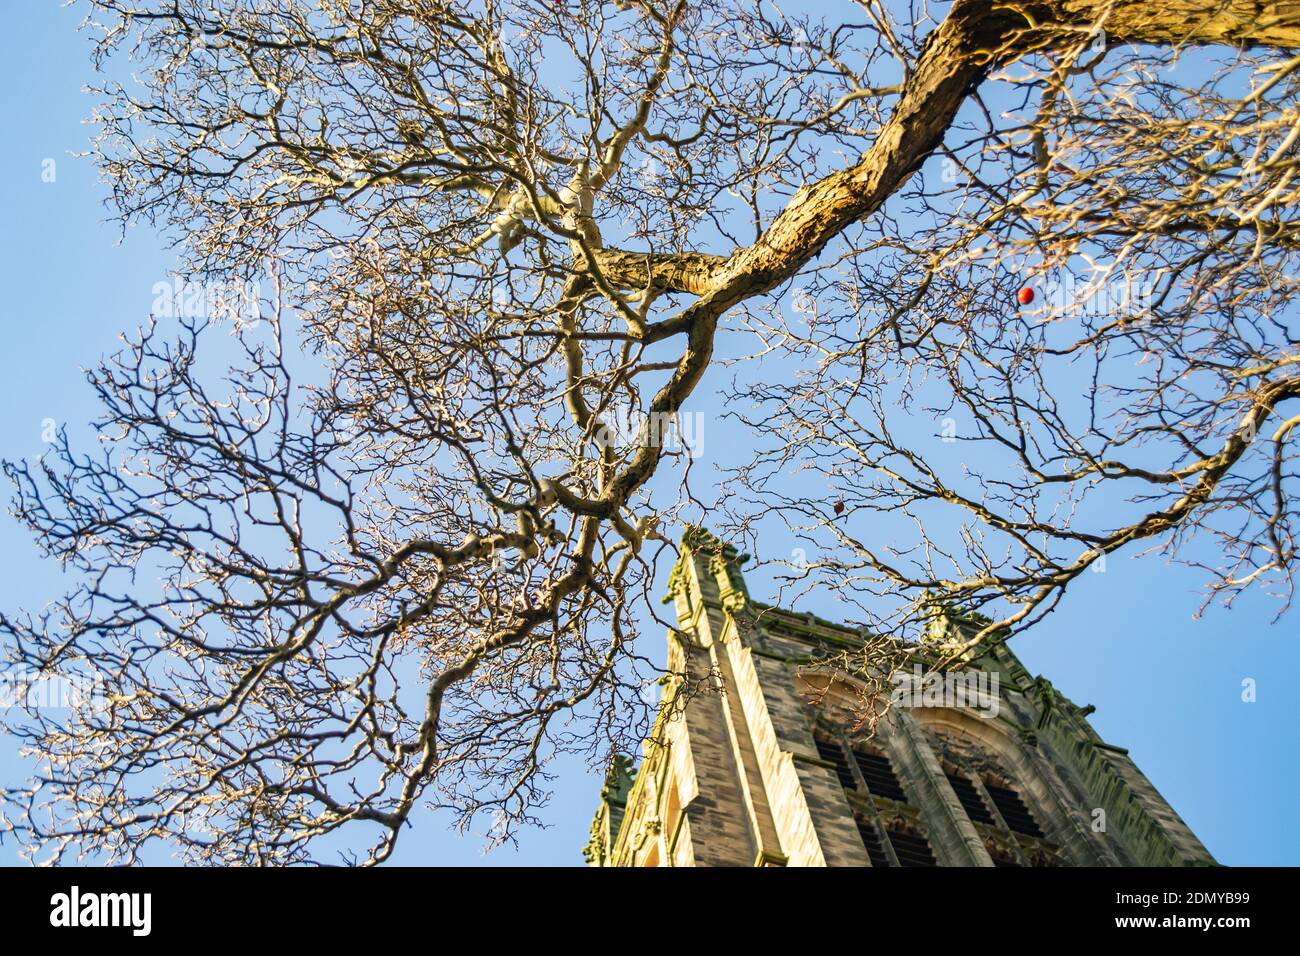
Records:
x=619, y=779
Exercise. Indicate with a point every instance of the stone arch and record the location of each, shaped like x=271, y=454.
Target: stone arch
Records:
x=1008, y=761
x=989, y=737
x=1034, y=774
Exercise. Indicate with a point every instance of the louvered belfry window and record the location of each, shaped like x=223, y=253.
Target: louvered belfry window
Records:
x=872, y=841
x=994, y=803
x=884, y=843
x=831, y=751
x=912, y=848
x=1013, y=810
x=879, y=775
x=970, y=799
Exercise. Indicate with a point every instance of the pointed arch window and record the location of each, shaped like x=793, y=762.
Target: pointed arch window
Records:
x=880, y=806
x=994, y=803
x=1013, y=809
x=970, y=799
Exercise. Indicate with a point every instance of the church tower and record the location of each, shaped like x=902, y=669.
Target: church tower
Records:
x=768, y=769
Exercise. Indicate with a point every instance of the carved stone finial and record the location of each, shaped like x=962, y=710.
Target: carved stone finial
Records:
x=618, y=780
x=613, y=799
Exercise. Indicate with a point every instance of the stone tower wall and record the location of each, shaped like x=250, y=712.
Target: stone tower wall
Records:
x=734, y=774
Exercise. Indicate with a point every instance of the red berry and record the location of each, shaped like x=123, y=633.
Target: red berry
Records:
x=1025, y=295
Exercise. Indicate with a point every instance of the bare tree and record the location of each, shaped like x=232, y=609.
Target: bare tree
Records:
x=1141, y=199
x=389, y=546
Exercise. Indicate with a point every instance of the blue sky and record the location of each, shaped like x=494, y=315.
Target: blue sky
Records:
x=1166, y=686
